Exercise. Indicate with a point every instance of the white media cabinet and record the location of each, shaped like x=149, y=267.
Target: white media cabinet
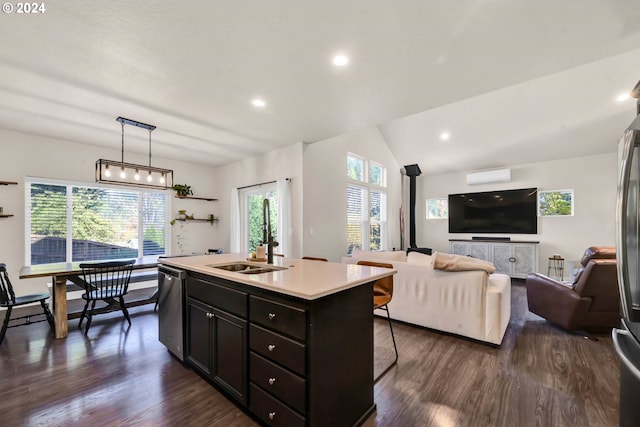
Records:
x=517, y=259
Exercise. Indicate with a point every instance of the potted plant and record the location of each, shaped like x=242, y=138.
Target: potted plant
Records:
x=182, y=190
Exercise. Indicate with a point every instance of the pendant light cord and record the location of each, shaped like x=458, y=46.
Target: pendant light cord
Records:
x=122, y=144
x=149, y=148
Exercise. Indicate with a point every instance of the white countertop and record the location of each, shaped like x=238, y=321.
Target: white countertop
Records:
x=301, y=278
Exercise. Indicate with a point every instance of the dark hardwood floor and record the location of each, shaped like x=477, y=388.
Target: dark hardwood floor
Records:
x=539, y=376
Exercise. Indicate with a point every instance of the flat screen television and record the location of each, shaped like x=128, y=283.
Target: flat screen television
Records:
x=508, y=211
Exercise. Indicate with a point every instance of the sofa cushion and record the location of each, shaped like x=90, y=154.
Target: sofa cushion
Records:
x=419, y=258
x=378, y=255
x=453, y=262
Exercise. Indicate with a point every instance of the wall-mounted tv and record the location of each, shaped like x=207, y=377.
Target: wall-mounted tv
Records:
x=508, y=211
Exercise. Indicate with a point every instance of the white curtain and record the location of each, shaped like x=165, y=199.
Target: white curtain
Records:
x=284, y=217
x=234, y=223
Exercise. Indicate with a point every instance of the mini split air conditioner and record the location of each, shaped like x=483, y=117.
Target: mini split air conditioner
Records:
x=486, y=177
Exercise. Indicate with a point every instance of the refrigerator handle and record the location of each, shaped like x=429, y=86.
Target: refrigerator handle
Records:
x=621, y=214
x=620, y=334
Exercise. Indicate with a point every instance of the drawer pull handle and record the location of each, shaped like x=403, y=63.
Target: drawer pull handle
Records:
x=271, y=347
x=512, y=259
x=272, y=381
x=272, y=415
x=272, y=316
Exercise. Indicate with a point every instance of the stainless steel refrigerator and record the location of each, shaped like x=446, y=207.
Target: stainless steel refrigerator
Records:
x=626, y=340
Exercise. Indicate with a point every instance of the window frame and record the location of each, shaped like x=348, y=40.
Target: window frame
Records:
x=569, y=191
x=243, y=197
x=29, y=181
x=437, y=199
x=367, y=188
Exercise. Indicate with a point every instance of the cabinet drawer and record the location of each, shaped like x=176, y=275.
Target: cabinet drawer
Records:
x=284, y=385
x=271, y=411
x=230, y=300
x=283, y=318
x=278, y=348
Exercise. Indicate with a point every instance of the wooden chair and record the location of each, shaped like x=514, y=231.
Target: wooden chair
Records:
x=313, y=258
x=108, y=282
x=9, y=300
x=382, y=295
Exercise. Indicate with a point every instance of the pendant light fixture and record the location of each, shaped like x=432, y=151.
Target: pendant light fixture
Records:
x=119, y=172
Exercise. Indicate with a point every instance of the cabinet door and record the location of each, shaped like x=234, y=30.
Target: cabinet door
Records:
x=459, y=248
x=199, y=335
x=525, y=263
x=229, y=353
x=480, y=251
x=503, y=258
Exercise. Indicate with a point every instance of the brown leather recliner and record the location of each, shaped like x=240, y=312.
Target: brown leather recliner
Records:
x=593, y=300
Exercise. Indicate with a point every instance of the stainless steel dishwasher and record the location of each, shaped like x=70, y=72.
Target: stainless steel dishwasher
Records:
x=171, y=283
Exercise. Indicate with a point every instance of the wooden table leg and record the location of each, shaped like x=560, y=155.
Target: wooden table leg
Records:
x=60, y=309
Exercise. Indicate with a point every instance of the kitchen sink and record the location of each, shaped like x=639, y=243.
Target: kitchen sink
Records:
x=245, y=268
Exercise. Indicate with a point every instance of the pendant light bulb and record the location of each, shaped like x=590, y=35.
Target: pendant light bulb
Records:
x=107, y=172
x=137, y=175
x=149, y=177
x=162, y=180
x=123, y=174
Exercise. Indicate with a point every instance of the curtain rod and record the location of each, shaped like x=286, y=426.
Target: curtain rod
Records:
x=262, y=183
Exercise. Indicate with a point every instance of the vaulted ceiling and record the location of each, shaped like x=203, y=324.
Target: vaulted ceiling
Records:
x=532, y=80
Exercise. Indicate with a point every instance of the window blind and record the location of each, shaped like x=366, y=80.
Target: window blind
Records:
x=71, y=223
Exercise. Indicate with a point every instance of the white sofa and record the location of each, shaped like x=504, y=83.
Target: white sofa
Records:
x=473, y=304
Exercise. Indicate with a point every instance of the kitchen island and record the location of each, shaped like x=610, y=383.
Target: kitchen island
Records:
x=291, y=343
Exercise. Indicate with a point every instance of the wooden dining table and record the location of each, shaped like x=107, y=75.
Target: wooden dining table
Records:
x=60, y=274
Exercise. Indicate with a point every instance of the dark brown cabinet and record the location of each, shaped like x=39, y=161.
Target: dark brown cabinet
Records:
x=216, y=344
x=288, y=361
x=277, y=343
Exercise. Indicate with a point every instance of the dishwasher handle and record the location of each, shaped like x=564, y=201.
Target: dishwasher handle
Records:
x=173, y=272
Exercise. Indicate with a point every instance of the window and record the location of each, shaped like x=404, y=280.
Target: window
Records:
x=366, y=205
x=73, y=223
x=253, y=213
x=555, y=203
x=377, y=175
x=355, y=168
x=437, y=208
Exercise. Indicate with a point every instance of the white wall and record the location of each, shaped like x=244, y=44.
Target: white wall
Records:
x=318, y=195
x=325, y=189
x=593, y=179
x=27, y=155
x=282, y=163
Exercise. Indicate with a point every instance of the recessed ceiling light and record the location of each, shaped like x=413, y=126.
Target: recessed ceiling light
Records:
x=340, y=60
x=258, y=103
x=623, y=97
x=445, y=136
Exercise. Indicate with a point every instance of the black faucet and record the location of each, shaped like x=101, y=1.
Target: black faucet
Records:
x=267, y=237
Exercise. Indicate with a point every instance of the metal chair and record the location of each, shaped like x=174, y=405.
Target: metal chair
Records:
x=108, y=282
x=382, y=295
x=9, y=300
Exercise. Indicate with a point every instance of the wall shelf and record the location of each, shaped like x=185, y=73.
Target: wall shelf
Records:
x=7, y=183
x=208, y=199
x=197, y=219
